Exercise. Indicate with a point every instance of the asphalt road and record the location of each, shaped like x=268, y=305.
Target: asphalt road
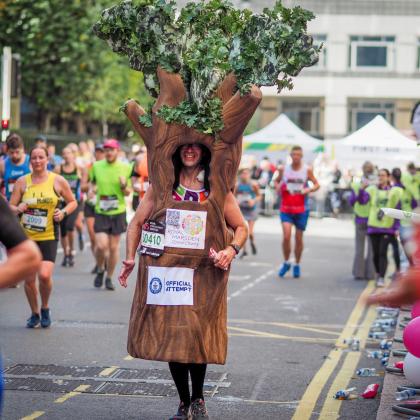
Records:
x=282, y=348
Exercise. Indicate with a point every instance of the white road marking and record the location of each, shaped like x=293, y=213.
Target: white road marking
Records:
x=250, y=285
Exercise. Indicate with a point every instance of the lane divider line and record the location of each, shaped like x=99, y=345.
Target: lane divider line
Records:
x=317, y=384
x=331, y=408
x=34, y=415
x=250, y=285
x=77, y=391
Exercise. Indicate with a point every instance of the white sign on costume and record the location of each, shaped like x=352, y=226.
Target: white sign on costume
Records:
x=185, y=229
x=172, y=286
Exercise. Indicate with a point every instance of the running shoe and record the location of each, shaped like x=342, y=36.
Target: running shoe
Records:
x=198, y=410
x=45, y=318
x=284, y=269
x=108, y=284
x=253, y=248
x=296, y=271
x=380, y=282
x=65, y=261
x=70, y=260
x=81, y=241
x=99, y=279
x=33, y=321
x=182, y=413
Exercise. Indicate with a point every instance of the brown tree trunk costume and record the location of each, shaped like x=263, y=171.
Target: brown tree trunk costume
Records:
x=198, y=333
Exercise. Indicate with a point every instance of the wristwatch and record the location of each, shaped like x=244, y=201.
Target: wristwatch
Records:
x=237, y=248
x=64, y=211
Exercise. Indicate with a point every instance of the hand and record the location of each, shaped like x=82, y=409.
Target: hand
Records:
x=58, y=215
x=403, y=292
x=224, y=257
x=251, y=203
x=306, y=191
x=22, y=207
x=126, y=269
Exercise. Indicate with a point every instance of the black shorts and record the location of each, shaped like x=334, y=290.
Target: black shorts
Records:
x=111, y=225
x=48, y=249
x=89, y=210
x=67, y=224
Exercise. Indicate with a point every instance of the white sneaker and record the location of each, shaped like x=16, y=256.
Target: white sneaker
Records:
x=380, y=282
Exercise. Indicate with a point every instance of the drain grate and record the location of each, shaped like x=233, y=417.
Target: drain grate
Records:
x=122, y=381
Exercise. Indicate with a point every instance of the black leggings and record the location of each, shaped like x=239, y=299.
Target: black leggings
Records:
x=380, y=242
x=179, y=372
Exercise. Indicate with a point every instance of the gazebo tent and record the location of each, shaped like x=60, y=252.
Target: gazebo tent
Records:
x=377, y=141
x=276, y=139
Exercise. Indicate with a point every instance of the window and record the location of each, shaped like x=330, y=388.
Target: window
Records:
x=305, y=114
x=372, y=52
x=322, y=62
x=361, y=112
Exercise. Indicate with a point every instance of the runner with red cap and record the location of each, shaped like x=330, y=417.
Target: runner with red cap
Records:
x=112, y=179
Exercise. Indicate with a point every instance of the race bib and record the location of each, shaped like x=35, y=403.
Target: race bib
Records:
x=185, y=229
x=172, y=286
x=108, y=202
x=35, y=219
x=152, y=238
x=294, y=187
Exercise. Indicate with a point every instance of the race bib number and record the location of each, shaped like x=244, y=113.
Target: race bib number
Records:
x=108, y=202
x=173, y=286
x=152, y=238
x=185, y=229
x=35, y=219
x=294, y=187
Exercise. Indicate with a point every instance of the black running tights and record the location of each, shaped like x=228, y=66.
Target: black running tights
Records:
x=380, y=243
x=179, y=372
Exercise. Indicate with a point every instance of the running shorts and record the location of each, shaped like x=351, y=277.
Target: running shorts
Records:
x=89, y=210
x=67, y=224
x=112, y=225
x=48, y=249
x=300, y=220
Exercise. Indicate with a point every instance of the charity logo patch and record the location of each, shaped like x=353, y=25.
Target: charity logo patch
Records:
x=155, y=285
x=192, y=225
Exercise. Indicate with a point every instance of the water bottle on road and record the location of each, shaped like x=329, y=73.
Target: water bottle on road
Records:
x=405, y=395
x=366, y=372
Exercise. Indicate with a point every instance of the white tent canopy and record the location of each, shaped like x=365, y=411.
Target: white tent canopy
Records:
x=377, y=141
x=276, y=139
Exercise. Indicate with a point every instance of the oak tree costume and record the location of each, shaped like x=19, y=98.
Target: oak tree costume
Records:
x=204, y=68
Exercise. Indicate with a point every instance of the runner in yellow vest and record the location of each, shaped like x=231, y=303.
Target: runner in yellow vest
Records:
x=35, y=199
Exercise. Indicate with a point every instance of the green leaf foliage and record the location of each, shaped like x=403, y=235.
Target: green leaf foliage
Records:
x=205, y=42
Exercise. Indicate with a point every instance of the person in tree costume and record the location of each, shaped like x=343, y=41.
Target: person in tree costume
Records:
x=204, y=68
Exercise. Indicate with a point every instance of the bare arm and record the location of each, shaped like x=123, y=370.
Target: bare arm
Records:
x=62, y=187
x=1, y=171
x=22, y=260
x=133, y=236
x=84, y=181
x=314, y=181
x=15, y=200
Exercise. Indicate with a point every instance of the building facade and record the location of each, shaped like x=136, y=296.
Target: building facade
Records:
x=369, y=65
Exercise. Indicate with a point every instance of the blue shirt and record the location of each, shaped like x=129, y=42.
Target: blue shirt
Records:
x=12, y=172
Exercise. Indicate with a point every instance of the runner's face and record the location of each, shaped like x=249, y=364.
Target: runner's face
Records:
x=15, y=155
x=111, y=154
x=99, y=154
x=191, y=155
x=39, y=160
x=68, y=155
x=296, y=156
x=245, y=175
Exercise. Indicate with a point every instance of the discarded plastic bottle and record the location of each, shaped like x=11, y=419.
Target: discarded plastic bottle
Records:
x=384, y=361
x=343, y=394
x=366, y=372
x=385, y=344
x=355, y=346
x=405, y=395
x=370, y=391
x=386, y=321
x=377, y=354
x=377, y=334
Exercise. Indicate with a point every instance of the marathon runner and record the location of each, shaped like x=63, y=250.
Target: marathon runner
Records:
x=112, y=180
x=90, y=203
x=292, y=184
x=75, y=175
x=15, y=165
x=35, y=198
x=139, y=178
